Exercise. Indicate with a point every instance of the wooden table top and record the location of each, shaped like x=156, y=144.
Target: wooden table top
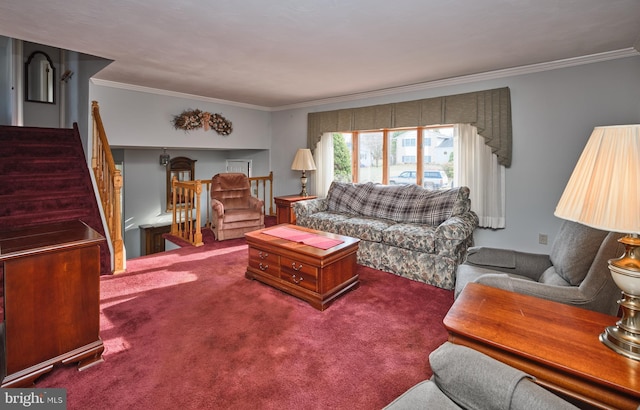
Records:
x=260, y=237
x=555, y=335
x=19, y=242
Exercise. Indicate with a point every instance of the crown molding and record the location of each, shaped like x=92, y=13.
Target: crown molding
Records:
x=167, y=93
x=489, y=75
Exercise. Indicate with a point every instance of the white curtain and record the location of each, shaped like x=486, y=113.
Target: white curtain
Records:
x=477, y=168
x=323, y=157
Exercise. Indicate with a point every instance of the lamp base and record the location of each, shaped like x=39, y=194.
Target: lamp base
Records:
x=303, y=182
x=624, y=337
x=622, y=342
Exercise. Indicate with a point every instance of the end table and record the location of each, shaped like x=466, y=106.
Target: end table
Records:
x=284, y=207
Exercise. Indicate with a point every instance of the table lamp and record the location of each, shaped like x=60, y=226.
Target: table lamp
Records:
x=303, y=161
x=604, y=193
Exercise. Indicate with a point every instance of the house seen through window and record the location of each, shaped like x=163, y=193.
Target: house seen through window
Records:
x=390, y=156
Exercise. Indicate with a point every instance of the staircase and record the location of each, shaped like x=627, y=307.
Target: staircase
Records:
x=44, y=177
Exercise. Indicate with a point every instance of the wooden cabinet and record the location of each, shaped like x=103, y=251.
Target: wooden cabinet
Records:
x=152, y=240
x=51, y=300
x=284, y=207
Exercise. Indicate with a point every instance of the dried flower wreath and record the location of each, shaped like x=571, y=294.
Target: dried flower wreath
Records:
x=193, y=119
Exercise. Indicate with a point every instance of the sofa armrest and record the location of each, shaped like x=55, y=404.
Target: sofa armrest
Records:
x=560, y=294
x=530, y=265
x=458, y=227
x=309, y=207
x=476, y=381
x=217, y=207
x=255, y=203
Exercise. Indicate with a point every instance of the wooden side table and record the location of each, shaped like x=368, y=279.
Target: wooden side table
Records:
x=556, y=343
x=284, y=207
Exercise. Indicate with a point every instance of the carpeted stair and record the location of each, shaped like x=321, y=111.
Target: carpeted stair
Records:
x=44, y=177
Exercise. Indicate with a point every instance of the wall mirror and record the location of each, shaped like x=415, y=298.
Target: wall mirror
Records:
x=184, y=169
x=39, y=75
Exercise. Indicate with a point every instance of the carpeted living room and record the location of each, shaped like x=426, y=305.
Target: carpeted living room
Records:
x=186, y=329
x=359, y=204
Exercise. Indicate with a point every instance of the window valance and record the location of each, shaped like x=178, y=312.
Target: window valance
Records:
x=489, y=111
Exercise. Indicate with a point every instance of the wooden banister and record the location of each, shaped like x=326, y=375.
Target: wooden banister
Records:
x=261, y=190
x=109, y=182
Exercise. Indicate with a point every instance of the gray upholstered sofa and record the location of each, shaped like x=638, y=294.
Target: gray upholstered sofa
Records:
x=407, y=230
x=466, y=379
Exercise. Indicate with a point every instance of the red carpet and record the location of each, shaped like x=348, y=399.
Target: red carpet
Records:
x=186, y=330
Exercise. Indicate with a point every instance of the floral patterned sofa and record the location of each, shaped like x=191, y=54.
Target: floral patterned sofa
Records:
x=407, y=230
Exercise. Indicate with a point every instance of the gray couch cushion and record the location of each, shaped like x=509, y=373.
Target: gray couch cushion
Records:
x=574, y=250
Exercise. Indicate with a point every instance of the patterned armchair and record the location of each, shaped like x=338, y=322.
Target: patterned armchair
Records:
x=235, y=211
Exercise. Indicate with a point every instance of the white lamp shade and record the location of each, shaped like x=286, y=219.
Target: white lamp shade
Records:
x=604, y=189
x=303, y=161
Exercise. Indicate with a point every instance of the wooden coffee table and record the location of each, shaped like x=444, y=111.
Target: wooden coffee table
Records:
x=312, y=274
x=556, y=343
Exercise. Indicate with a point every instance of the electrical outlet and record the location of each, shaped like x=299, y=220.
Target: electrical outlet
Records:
x=542, y=238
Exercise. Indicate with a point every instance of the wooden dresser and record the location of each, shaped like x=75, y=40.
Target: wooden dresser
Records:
x=556, y=343
x=51, y=300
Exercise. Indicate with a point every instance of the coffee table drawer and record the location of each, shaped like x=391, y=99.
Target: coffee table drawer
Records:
x=301, y=274
x=264, y=261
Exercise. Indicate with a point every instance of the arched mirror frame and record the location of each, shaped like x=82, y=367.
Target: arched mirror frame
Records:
x=46, y=83
x=184, y=169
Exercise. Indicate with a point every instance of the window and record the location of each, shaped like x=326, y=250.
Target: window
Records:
x=371, y=150
x=390, y=156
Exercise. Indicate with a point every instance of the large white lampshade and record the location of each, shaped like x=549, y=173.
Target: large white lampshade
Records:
x=604, y=193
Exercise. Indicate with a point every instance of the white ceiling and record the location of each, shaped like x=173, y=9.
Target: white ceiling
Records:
x=275, y=53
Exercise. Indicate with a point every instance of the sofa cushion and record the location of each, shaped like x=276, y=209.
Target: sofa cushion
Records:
x=403, y=203
x=411, y=236
x=323, y=221
x=344, y=197
x=431, y=207
x=386, y=201
x=574, y=250
x=236, y=215
x=368, y=229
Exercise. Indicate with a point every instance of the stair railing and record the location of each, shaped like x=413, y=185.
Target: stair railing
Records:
x=259, y=190
x=186, y=222
x=109, y=182
x=187, y=203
